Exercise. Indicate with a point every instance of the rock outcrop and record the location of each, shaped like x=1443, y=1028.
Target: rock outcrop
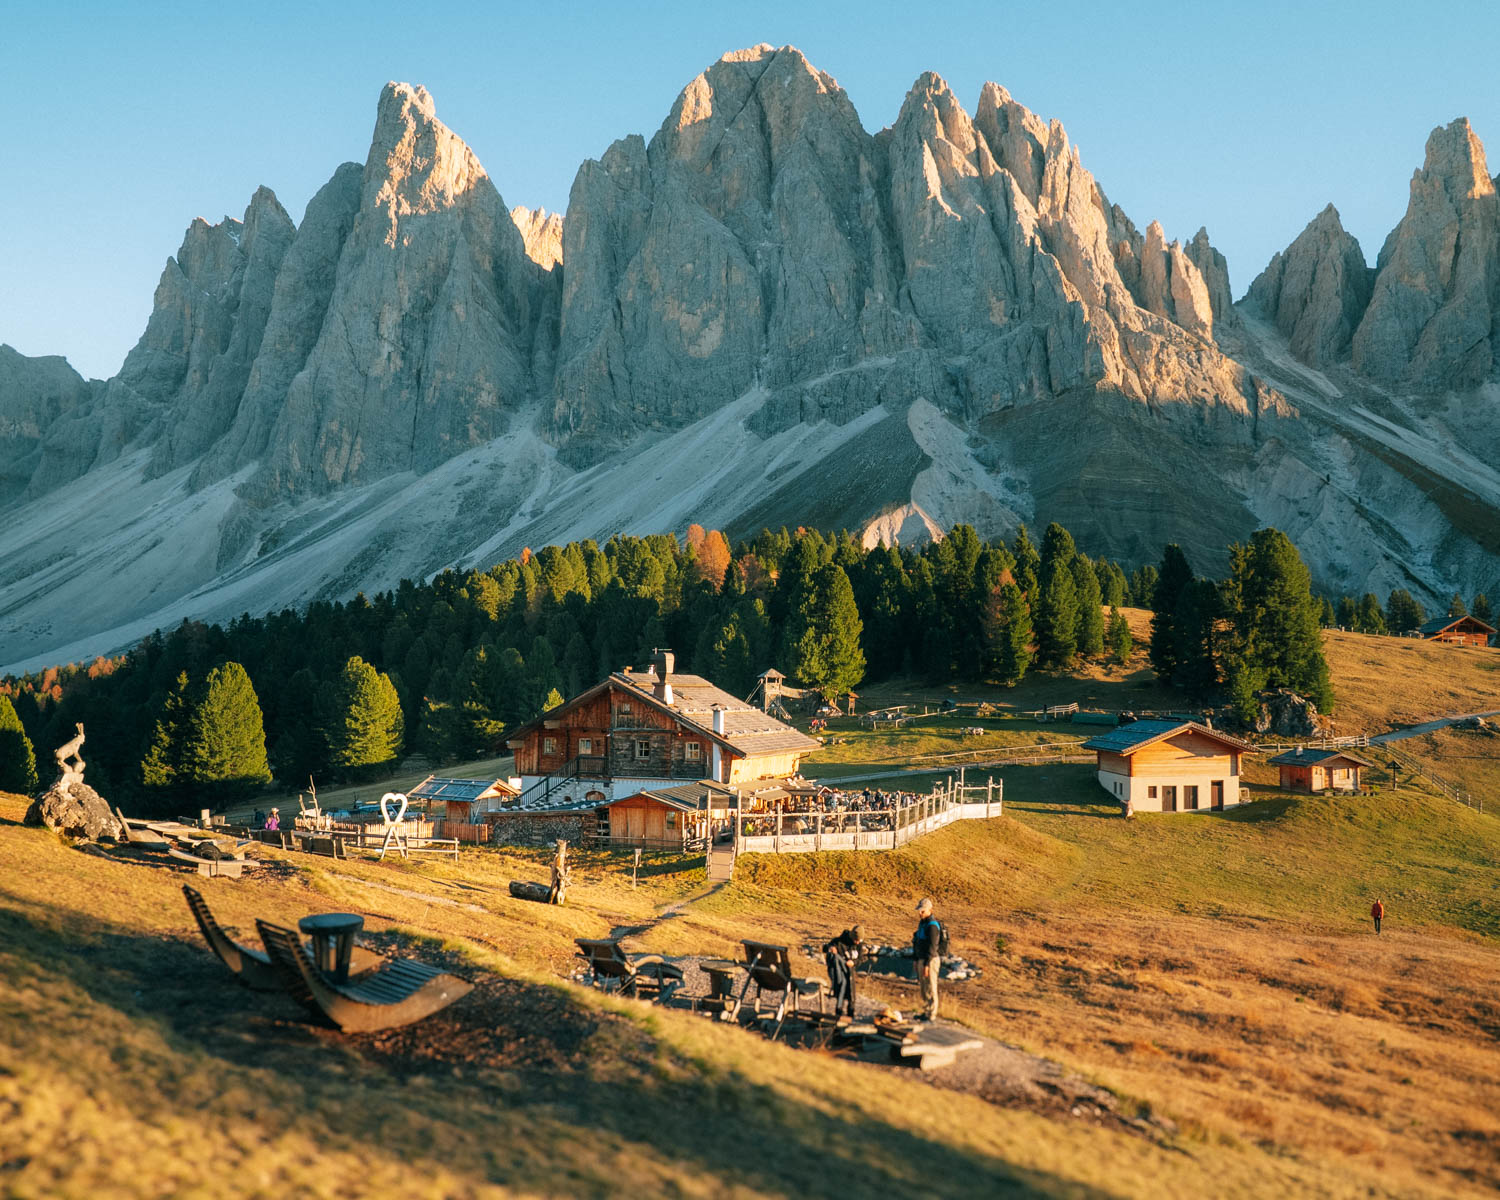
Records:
x=72, y=808
x=541, y=234
x=1434, y=306
x=35, y=395
x=1316, y=290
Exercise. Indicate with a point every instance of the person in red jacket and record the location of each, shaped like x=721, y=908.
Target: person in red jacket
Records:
x=1377, y=910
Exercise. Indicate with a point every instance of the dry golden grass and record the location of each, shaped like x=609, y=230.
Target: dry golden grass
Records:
x=1387, y=682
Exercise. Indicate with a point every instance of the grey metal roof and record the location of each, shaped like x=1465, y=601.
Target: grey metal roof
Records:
x=1438, y=624
x=433, y=788
x=687, y=796
x=1308, y=757
x=1142, y=733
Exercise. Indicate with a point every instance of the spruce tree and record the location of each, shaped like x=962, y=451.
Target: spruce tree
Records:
x=1055, y=611
x=1402, y=612
x=1195, y=627
x=1367, y=617
x=17, y=758
x=1028, y=564
x=365, y=725
x=1008, y=634
x=1327, y=617
x=223, y=750
x=826, y=654
x=1118, y=636
x=1090, y=607
x=1347, y=612
x=1171, y=580
x=1274, y=639
x=163, y=757
x=1456, y=607
x=1480, y=609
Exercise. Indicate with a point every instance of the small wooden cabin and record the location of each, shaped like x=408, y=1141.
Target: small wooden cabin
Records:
x=670, y=817
x=1170, y=766
x=462, y=800
x=1463, y=631
x=1308, y=770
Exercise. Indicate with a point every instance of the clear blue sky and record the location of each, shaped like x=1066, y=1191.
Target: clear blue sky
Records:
x=126, y=121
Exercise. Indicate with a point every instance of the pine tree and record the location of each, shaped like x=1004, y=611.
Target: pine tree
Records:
x=1367, y=617
x=163, y=758
x=1347, y=612
x=1480, y=609
x=365, y=725
x=826, y=653
x=17, y=758
x=1274, y=639
x=1090, y=607
x=1195, y=627
x=1327, y=618
x=1055, y=611
x=1121, y=641
x=1028, y=564
x=1456, y=607
x=1143, y=586
x=1008, y=635
x=223, y=750
x=1402, y=612
x=1171, y=580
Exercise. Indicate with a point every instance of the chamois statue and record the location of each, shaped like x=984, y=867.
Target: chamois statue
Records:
x=69, y=773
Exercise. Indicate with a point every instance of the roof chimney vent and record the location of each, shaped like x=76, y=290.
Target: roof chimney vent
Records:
x=719, y=719
x=662, y=662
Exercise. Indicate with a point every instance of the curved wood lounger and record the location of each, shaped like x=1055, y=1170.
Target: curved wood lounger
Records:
x=633, y=974
x=252, y=967
x=398, y=993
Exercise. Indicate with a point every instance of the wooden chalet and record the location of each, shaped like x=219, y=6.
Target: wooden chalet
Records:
x=670, y=817
x=641, y=729
x=1308, y=770
x=1170, y=766
x=462, y=800
x=1463, y=631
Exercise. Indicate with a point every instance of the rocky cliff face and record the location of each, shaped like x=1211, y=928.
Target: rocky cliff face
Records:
x=763, y=314
x=1316, y=290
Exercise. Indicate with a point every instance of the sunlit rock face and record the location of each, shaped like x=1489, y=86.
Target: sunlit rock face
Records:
x=1433, y=310
x=1316, y=290
x=762, y=314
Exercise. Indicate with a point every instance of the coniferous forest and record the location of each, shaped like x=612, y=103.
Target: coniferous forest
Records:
x=343, y=690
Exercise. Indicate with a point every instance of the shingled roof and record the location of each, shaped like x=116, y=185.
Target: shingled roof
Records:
x=1438, y=624
x=1306, y=756
x=747, y=730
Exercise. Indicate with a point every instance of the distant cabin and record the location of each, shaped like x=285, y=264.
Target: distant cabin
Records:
x=670, y=817
x=1306, y=770
x=463, y=800
x=1464, y=631
x=1170, y=766
x=639, y=730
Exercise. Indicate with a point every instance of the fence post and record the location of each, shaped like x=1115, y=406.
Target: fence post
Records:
x=818, y=831
x=856, y=829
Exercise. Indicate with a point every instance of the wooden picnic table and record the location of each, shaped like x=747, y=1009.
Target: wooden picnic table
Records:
x=333, y=941
x=721, y=974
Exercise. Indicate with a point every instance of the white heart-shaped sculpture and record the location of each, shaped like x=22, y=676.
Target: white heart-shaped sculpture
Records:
x=386, y=813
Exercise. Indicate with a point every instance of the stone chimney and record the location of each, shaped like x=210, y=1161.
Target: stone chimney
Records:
x=662, y=662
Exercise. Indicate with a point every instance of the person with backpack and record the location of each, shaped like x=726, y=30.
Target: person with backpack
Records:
x=928, y=946
x=841, y=955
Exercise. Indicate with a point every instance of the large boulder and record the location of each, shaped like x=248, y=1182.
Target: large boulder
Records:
x=76, y=811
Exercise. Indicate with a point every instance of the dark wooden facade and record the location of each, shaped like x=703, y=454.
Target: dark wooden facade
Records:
x=615, y=733
x=1461, y=631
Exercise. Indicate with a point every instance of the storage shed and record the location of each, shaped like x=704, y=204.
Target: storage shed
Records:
x=672, y=817
x=1308, y=770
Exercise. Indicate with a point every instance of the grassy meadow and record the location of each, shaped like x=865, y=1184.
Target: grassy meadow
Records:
x=1215, y=971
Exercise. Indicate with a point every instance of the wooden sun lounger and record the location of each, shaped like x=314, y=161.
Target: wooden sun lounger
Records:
x=252, y=967
x=643, y=975
x=397, y=993
x=209, y=868
x=769, y=967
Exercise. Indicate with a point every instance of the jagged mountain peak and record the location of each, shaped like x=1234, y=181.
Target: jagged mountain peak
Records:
x=542, y=234
x=1455, y=156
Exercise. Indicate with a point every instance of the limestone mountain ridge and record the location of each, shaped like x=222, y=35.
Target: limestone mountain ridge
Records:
x=762, y=314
